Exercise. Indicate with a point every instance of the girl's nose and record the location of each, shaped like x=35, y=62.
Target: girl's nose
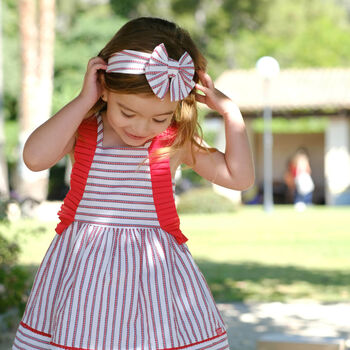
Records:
x=140, y=128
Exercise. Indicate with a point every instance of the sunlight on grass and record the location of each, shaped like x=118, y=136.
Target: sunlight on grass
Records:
x=318, y=237
x=249, y=255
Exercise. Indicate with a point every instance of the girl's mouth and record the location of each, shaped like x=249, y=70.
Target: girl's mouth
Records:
x=135, y=137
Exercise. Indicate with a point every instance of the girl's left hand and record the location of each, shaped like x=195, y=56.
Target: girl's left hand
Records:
x=212, y=97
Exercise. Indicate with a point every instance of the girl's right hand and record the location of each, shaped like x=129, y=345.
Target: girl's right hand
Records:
x=43, y=148
x=92, y=88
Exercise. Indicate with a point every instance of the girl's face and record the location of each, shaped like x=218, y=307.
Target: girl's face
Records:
x=137, y=118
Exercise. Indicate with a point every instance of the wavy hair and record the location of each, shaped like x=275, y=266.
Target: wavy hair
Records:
x=144, y=34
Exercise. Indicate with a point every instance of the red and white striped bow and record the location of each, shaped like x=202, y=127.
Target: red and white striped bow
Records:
x=162, y=73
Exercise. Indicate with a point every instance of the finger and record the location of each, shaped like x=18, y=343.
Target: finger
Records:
x=206, y=79
x=200, y=98
x=202, y=88
x=96, y=60
x=208, y=93
x=100, y=66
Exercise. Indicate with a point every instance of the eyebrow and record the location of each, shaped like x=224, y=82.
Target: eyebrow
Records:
x=157, y=115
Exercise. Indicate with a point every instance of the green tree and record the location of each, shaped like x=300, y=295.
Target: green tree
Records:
x=37, y=41
x=212, y=23
x=301, y=33
x=76, y=43
x=4, y=186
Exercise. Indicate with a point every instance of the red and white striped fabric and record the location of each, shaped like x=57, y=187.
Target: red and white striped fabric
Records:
x=114, y=278
x=162, y=73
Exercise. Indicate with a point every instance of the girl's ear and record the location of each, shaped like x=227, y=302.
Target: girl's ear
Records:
x=103, y=86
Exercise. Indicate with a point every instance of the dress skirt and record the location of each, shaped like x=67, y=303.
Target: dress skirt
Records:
x=101, y=287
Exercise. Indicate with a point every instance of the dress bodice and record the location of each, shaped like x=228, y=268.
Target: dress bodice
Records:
x=119, y=186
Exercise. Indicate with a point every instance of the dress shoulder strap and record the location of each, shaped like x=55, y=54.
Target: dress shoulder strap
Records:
x=162, y=185
x=83, y=154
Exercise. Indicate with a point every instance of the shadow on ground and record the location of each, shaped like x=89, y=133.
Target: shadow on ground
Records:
x=236, y=285
x=258, y=282
x=248, y=322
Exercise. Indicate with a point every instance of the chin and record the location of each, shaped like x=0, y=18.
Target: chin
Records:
x=135, y=141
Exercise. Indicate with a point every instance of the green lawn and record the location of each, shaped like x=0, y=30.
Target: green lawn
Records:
x=251, y=255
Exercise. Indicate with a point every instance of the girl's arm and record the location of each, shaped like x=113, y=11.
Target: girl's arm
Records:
x=56, y=137
x=234, y=168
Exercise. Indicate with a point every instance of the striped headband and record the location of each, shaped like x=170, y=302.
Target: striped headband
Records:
x=162, y=73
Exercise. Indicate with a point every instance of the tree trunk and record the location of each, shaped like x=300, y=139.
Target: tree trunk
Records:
x=4, y=186
x=46, y=57
x=36, y=88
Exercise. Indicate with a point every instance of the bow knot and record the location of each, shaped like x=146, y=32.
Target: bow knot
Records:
x=173, y=68
x=164, y=74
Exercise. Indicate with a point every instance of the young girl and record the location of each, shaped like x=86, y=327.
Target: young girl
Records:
x=118, y=275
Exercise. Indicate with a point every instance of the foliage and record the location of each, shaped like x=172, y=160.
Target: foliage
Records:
x=14, y=280
x=204, y=200
x=231, y=34
x=302, y=33
x=189, y=179
x=11, y=60
x=212, y=24
x=293, y=126
x=11, y=132
x=80, y=34
x=75, y=45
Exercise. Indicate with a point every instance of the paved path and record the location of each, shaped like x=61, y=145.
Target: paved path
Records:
x=246, y=323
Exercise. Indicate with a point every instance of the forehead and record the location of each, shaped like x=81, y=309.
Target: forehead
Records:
x=145, y=103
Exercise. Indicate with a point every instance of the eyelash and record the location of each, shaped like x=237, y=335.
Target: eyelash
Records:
x=159, y=121
x=127, y=115
x=130, y=116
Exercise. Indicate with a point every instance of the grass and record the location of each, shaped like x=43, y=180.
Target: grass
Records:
x=250, y=255
x=316, y=238
x=284, y=255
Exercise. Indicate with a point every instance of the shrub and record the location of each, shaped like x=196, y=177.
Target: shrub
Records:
x=204, y=200
x=14, y=279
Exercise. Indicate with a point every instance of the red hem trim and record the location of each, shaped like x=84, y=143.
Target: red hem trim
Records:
x=178, y=348
x=34, y=330
x=193, y=344
x=66, y=347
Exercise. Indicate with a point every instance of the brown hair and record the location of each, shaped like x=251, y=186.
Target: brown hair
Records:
x=144, y=34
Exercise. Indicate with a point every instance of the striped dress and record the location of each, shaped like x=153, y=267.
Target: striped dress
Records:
x=119, y=275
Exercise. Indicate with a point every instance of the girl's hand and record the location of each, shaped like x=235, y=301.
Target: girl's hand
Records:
x=92, y=88
x=212, y=97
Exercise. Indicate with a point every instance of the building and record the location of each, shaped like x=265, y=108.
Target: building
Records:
x=294, y=93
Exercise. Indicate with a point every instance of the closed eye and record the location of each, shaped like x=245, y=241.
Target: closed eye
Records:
x=160, y=121
x=127, y=115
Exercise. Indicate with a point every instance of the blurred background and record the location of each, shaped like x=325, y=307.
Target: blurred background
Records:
x=285, y=240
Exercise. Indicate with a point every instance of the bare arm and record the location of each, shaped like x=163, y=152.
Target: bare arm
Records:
x=56, y=137
x=234, y=168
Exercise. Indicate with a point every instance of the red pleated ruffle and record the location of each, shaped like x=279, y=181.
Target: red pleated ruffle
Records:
x=162, y=186
x=160, y=175
x=83, y=154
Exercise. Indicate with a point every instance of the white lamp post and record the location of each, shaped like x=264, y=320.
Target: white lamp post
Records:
x=268, y=68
